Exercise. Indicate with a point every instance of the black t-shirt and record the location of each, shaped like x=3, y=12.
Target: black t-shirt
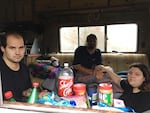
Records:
x=140, y=101
x=87, y=60
x=15, y=81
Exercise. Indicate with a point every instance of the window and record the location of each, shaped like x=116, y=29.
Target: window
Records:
x=68, y=39
x=97, y=30
x=117, y=37
x=122, y=38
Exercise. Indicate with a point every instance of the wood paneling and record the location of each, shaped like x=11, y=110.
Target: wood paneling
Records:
x=127, y=2
x=75, y=4
x=48, y=5
x=117, y=61
x=23, y=10
x=7, y=11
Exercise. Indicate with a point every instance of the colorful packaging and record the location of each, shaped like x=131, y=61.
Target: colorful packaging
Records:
x=106, y=93
x=79, y=100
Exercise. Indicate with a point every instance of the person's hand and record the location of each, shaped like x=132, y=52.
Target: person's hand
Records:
x=27, y=92
x=42, y=93
x=98, y=72
x=103, y=68
x=100, y=68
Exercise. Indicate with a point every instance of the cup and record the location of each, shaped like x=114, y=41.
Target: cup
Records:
x=79, y=89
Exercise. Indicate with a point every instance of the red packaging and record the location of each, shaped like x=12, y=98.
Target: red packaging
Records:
x=79, y=88
x=65, y=86
x=106, y=93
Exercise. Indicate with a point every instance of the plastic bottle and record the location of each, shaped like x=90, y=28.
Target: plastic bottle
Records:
x=34, y=94
x=9, y=96
x=106, y=93
x=65, y=81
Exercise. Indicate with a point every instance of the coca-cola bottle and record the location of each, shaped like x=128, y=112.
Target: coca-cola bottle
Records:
x=65, y=81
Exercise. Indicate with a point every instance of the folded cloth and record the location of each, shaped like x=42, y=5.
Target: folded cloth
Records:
x=44, y=70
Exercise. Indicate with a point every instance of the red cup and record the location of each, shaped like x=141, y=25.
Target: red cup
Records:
x=79, y=88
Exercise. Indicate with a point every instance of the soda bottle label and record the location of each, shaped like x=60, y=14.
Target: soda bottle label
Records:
x=65, y=86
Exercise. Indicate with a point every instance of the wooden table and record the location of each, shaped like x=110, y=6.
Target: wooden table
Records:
x=21, y=107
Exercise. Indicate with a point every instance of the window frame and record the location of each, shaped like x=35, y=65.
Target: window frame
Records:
x=105, y=38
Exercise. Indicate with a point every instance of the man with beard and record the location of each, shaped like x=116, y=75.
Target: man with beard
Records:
x=86, y=58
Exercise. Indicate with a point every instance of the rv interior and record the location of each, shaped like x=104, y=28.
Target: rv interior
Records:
x=43, y=23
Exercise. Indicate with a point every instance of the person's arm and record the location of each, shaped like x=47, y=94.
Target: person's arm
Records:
x=93, y=72
x=84, y=70
x=110, y=72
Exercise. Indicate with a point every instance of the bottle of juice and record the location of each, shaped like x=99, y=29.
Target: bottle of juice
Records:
x=65, y=81
x=9, y=96
x=34, y=94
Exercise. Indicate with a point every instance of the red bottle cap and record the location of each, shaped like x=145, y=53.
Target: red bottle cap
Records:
x=35, y=84
x=8, y=94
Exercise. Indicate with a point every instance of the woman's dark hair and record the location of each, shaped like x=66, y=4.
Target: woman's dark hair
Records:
x=146, y=73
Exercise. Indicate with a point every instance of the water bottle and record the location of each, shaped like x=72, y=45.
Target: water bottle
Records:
x=9, y=96
x=65, y=81
x=34, y=94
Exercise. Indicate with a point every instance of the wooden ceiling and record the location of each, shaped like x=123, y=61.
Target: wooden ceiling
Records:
x=34, y=10
x=86, y=5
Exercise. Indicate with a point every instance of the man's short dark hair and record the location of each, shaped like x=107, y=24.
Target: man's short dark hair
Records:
x=9, y=30
x=91, y=36
x=6, y=34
